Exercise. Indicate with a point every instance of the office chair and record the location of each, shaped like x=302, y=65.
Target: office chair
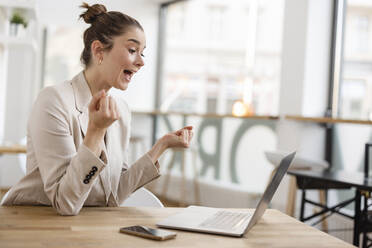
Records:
x=142, y=198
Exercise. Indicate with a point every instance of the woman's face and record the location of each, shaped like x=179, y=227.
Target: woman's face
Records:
x=124, y=59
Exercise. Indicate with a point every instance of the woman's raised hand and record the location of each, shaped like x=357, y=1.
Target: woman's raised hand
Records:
x=102, y=111
x=180, y=138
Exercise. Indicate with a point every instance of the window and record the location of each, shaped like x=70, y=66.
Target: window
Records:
x=356, y=84
x=219, y=52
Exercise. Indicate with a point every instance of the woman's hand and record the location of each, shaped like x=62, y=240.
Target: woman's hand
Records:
x=102, y=113
x=178, y=139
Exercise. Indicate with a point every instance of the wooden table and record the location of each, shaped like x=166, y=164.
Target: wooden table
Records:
x=99, y=227
x=10, y=149
x=14, y=149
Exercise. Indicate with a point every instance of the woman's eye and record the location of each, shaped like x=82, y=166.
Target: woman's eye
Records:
x=142, y=55
x=131, y=51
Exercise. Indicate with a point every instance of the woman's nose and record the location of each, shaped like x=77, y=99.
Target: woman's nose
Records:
x=140, y=62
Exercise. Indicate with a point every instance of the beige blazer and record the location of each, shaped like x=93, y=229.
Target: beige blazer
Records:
x=61, y=170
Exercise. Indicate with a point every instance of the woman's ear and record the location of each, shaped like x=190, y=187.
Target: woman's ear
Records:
x=97, y=49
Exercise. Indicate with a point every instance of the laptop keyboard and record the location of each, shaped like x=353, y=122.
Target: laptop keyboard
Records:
x=226, y=220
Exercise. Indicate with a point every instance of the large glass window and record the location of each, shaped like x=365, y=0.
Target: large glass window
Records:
x=219, y=53
x=355, y=91
x=356, y=84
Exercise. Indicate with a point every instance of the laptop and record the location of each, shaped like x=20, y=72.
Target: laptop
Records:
x=225, y=222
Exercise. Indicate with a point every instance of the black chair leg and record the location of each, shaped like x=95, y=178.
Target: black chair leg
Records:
x=365, y=240
x=302, y=212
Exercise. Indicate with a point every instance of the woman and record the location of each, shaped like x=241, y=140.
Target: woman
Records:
x=78, y=135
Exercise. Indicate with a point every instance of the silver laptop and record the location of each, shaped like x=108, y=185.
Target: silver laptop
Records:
x=225, y=222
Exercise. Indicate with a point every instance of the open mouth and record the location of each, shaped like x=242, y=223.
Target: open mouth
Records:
x=128, y=74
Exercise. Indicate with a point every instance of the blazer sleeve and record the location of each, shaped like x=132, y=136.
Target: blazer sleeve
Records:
x=140, y=172
x=68, y=171
x=137, y=175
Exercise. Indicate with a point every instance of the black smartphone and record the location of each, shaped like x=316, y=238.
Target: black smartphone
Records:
x=147, y=232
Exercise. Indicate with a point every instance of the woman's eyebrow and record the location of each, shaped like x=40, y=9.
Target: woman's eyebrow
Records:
x=135, y=41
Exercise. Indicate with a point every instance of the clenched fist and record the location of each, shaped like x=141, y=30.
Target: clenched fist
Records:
x=102, y=111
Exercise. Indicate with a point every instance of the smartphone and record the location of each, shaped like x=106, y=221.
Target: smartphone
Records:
x=147, y=232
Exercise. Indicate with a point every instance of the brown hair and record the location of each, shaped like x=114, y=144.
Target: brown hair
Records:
x=104, y=27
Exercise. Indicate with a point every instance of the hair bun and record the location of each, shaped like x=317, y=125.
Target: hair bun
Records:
x=92, y=12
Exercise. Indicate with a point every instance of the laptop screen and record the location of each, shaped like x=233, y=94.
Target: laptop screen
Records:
x=271, y=189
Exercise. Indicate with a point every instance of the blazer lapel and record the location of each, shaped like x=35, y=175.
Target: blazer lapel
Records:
x=82, y=98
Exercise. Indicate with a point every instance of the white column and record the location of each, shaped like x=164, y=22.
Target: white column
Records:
x=304, y=78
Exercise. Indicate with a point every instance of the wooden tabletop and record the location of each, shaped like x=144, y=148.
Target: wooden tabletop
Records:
x=12, y=149
x=99, y=227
